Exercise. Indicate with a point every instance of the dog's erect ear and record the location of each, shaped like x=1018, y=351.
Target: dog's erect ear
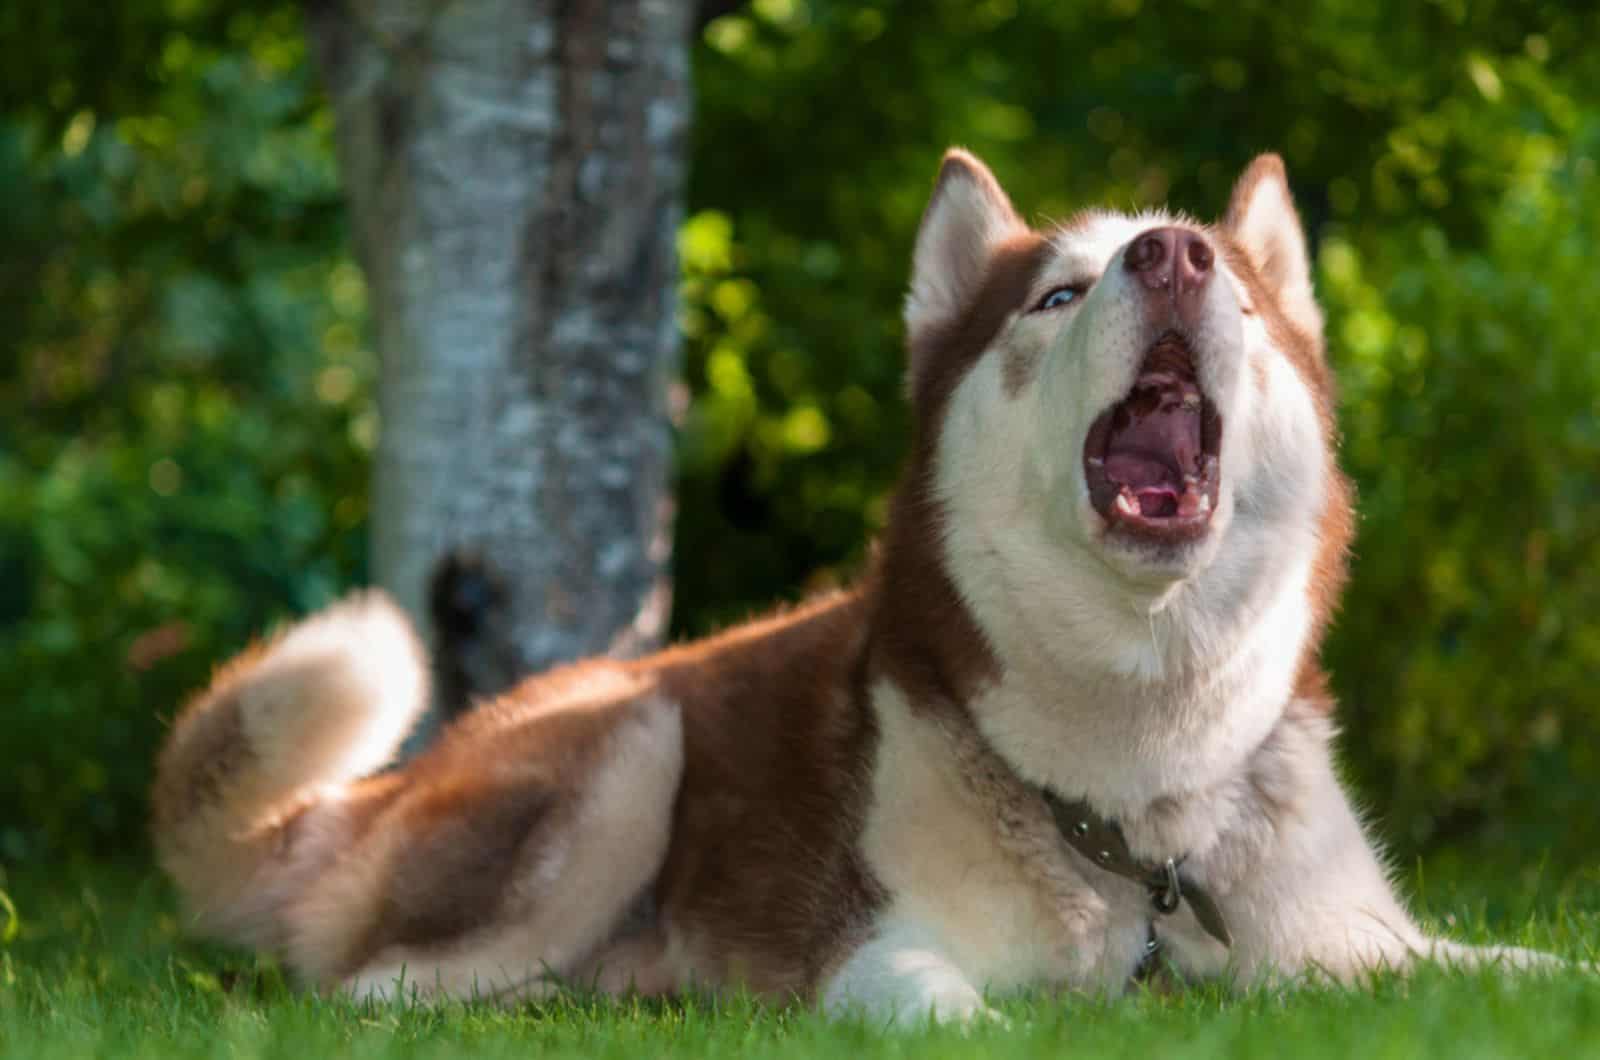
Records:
x=1261, y=217
x=967, y=217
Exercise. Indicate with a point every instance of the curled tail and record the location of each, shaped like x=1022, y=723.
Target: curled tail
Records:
x=253, y=790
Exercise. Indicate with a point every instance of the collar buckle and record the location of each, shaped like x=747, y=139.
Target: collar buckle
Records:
x=1102, y=842
x=1166, y=890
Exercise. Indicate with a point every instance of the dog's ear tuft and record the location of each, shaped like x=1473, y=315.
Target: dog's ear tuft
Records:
x=1262, y=219
x=967, y=217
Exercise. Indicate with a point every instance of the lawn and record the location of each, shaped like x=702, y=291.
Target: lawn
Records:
x=94, y=965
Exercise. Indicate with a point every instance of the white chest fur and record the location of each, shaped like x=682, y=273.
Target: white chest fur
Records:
x=976, y=870
x=1148, y=719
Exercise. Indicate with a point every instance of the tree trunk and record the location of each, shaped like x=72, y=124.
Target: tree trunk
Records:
x=514, y=170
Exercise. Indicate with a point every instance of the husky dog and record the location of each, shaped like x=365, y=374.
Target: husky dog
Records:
x=1073, y=711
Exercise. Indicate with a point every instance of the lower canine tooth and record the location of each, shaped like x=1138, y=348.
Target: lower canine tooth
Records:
x=1125, y=504
x=1205, y=503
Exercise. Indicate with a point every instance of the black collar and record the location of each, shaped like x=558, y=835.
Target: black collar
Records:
x=1102, y=842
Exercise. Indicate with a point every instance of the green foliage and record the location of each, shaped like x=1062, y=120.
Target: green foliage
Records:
x=185, y=409
x=186, y=385
x=1469, y=647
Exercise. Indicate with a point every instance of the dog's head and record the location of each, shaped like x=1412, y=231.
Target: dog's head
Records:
x=1143, y=393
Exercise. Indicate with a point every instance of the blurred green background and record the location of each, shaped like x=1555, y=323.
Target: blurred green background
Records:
x=186, y=379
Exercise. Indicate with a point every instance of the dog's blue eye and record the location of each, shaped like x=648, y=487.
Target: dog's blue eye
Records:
x=1057, y=297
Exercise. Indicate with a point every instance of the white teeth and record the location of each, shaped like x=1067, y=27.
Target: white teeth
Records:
x=1205, y=503
x=1191, y=401
x=1095, y=461
x=1126, y=505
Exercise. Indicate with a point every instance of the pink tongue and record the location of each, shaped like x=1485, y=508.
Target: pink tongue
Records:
x=1149, y=479
x=1156, y=435
x=1137, y=469
x=1159, y=503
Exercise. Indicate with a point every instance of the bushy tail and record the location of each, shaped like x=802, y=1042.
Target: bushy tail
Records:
x=249, y=787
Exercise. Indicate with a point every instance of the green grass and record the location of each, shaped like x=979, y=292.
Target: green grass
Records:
x=97, y=967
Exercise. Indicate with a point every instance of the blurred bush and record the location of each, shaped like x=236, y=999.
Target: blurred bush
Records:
x=185, y=393
x=186, y=403
x=1470, y=643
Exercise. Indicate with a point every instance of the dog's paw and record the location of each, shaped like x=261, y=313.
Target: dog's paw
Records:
x=962, y=1006
x=987, y=1016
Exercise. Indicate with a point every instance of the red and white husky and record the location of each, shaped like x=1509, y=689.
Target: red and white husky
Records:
x=1074, y=710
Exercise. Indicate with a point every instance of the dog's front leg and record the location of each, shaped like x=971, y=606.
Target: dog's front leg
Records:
x=901, y=974
x=1319, y=901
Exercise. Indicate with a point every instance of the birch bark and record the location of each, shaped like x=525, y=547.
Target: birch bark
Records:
x=514, y=170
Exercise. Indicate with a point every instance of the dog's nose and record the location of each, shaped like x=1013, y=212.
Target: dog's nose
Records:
x=1172, y=259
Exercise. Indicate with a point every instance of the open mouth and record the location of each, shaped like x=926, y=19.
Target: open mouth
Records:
x=1151, y=459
